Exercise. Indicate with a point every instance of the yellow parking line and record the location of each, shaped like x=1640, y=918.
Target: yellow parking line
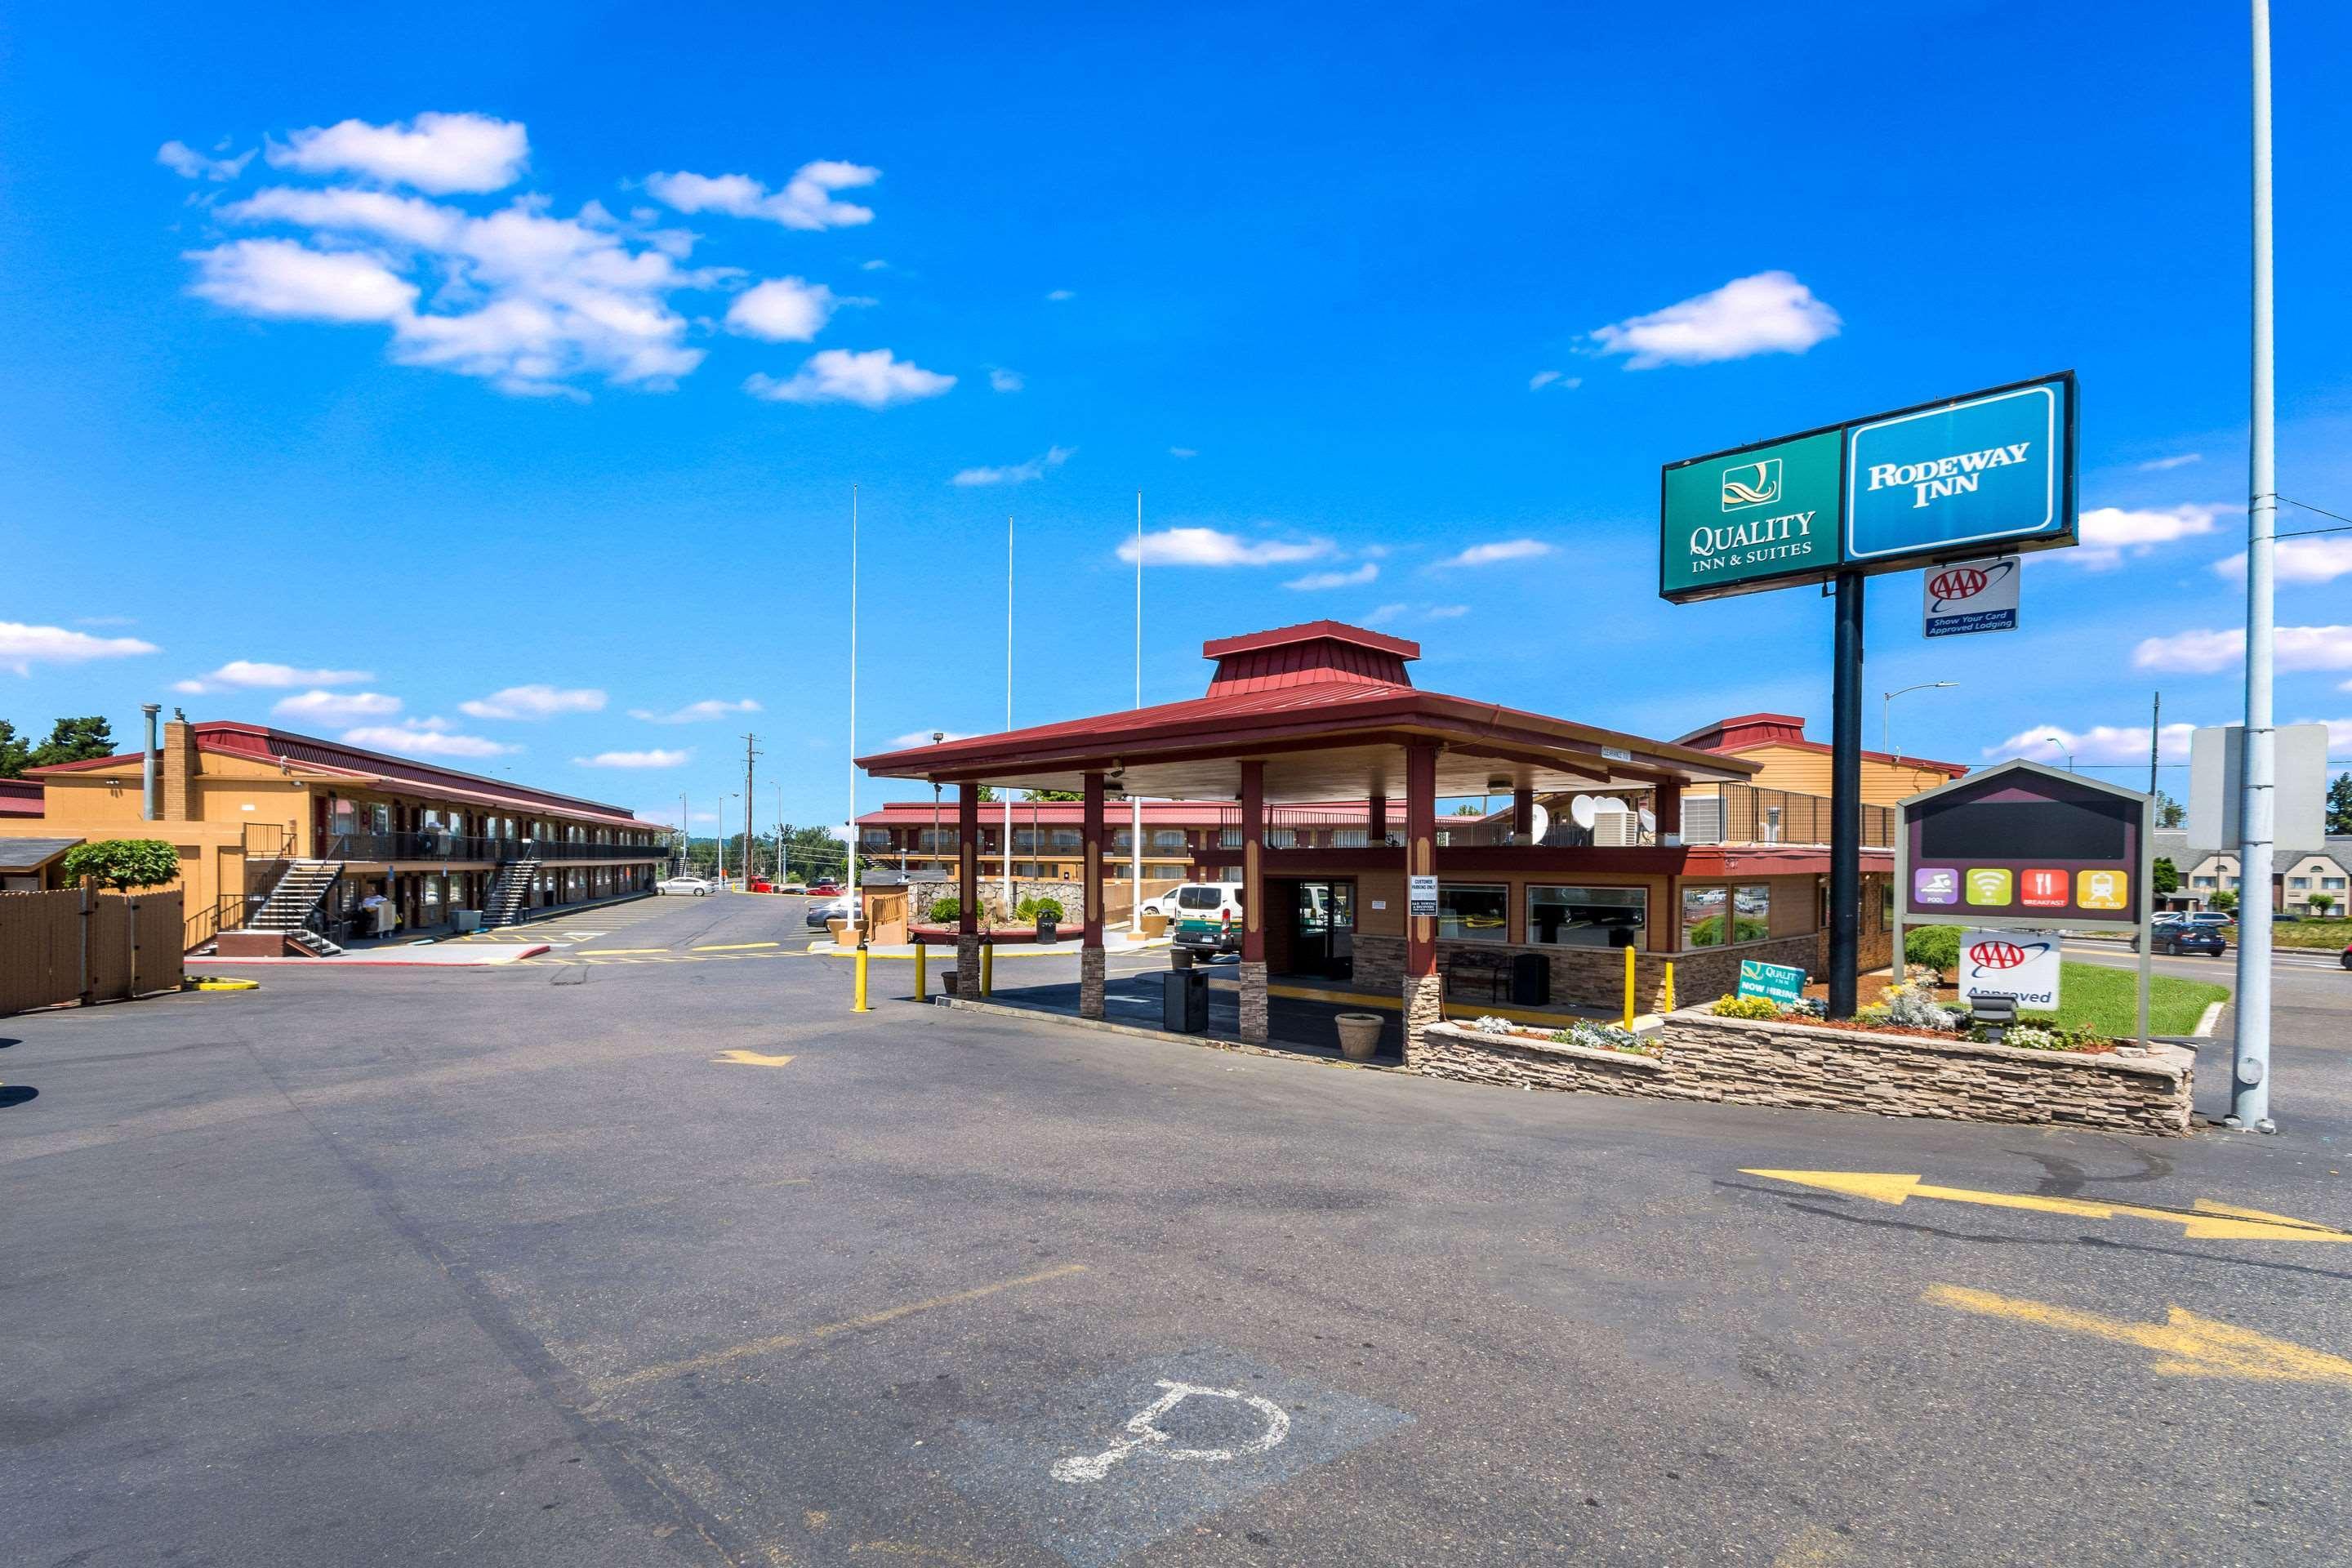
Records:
x=733, y=946
x=615, y=952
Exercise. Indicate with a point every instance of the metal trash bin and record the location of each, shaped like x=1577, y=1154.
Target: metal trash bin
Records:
x=1530, y=980
x=1184, y=1001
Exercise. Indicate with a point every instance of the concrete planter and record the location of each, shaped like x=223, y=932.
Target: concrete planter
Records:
x=1360, y=1036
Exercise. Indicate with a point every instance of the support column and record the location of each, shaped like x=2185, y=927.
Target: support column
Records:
x=1523, y=815
x=967, y=889
x=1091, y=966
x=1376, y=832
x=1667, y=805
x=1845, y=800
x=1254, y=912
x=1424, y=988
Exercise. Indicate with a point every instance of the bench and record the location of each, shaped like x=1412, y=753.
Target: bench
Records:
x=1488, y=971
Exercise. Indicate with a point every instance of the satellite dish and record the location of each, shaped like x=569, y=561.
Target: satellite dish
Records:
x=1580, y=811
x=1539, y=825
x=1649, y=820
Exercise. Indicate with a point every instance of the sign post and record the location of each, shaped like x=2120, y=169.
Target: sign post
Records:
x=1933, y=484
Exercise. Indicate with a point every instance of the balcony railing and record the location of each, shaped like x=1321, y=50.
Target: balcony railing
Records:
x=429, y=845
x=1712, y=814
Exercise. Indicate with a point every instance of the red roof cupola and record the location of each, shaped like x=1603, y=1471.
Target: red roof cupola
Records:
x=1304, y=654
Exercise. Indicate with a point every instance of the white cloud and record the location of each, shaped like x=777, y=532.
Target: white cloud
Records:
x=425, y=738
x=1544, y=378
x=437, y=153
x=2099, y=743
x=1770, y=312
x=404, y=220
x=806, y=201
x=321, y=707
x=874, y=265
x=1058, y=295
x=281, y=278
x=22, y=647
x=1349, y=579
x=782, y=310
x=696, y=712
x=2108, y=531
x=1213, y=547
x=1447, y=612
x=1498, y=551
x=1183, y=452
x=1016, y=473
x=2205, y=652
x=1002, y=380
x=874, y=379
x=190, y=164
x=2160, y=465
x=535, y=701
x=244, y=673
x=1384, y=612
x=2298, y=561
x=655, y=757
x=914, y=738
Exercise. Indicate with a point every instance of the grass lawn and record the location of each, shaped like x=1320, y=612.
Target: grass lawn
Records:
x=2107, y=1000
x=2329, y=934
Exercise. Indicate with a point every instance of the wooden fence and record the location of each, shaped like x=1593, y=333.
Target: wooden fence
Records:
x=83, y=945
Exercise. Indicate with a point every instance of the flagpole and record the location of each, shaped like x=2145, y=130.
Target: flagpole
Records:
x=1008, y=710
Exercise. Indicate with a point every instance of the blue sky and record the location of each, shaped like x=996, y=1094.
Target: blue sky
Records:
x=480, y=386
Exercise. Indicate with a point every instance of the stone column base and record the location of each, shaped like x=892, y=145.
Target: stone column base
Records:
x=967, y=965
x=1254, y=1003
x=1093, y=964
x=1424, y=999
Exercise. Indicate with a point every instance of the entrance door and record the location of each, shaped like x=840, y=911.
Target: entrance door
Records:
x=1323, y=929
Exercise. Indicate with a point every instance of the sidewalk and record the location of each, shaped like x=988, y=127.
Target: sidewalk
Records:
x=424, y=954
x=1114, y=944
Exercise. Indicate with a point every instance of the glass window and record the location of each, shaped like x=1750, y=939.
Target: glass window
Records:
x=2332, y=884
x=1123, y=840
x=1282, y=838
x=1588, y=917
x=876, y=837
x=1168, y=838
x=2298, y=881
x=1349, y=837
x=1472, y=911
x=1749, y=907
x=1069, y=839
x=1197, y=897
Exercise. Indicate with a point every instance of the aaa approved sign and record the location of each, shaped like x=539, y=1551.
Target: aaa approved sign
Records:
x=1971, y=596
x=2020, y=964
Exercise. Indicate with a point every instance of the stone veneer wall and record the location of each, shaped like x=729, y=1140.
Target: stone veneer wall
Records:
x=1071, y=895
x=1595, y=976
x=1751, y=1062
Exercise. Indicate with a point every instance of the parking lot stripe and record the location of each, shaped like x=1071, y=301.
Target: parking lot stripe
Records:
x=616, y=951
x=810, y=1336
x=733, y=946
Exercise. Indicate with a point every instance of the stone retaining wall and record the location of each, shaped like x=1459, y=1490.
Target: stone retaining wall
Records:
x=1595, y=976
x=1750, y=1062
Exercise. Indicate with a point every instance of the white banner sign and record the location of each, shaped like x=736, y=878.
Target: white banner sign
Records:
x=1971, y=596
x=1420, y=897
x=2020, y=964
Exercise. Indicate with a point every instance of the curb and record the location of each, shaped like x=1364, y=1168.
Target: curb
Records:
x=521, y=952
x=2204, y=1029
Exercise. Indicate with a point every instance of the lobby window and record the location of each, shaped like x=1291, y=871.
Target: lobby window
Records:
x=1472, y=911
x=1588, y=917
x=1747, y=909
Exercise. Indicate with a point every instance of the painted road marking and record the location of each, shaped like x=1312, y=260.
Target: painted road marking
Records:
x=734, y=946
x=1143, y=1431
x=617, y=952
x=2205, y=1221
x=1093, y=1506
x=778, y=1342
x=749, y=1059
x=2187, y=1345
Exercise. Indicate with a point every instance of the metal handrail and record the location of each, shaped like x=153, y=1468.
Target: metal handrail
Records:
x=427, y=844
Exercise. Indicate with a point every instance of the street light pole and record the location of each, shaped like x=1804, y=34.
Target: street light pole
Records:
x=2250, y=1087
x=1885, y=701
x=1134, y=801
x=1008, y=712
x=2062, y=751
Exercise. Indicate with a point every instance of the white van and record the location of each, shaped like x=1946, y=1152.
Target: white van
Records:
x=1209, y=917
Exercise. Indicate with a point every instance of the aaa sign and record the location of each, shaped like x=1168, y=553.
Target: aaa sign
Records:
x=2020, y=964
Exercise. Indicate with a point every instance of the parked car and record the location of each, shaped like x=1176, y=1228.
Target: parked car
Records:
x=823, y=889
x=1209, y=917
x=791, y=887
x=2186, y=938
x=2347, y=955
x=694, y=885
x=835, y=910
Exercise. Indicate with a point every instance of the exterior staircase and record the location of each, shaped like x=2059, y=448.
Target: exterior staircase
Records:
x=505, y=903
x=286, y=912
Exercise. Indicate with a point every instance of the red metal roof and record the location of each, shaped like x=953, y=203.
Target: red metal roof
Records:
x=1072, y=813
x=1751, y=731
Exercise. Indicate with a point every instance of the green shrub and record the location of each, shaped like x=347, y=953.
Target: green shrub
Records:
x=1745, y=1007
x=1936, y=945
x=1048, y=908
x=944, y=911
x=1025, y=911
x=124, y=864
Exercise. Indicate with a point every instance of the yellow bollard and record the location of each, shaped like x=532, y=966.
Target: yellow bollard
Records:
x=987, y=968
x=1629, y=987
x=923, y=976
x=860, y=1005
x=1668, y=1006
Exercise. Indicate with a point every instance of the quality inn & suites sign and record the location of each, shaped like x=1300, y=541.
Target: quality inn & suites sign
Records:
x=1991, y=472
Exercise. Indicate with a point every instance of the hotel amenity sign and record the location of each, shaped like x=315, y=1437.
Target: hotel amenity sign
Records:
x=2021, y=844
x=1992, y=471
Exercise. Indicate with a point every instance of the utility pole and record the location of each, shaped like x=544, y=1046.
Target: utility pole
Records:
x=783, y=873
x=749, y=800
x=1008, y=713
x=849, y=828
x=1134, y=801
x=2250, y=1087
x=685, y=836
x=2155, y=738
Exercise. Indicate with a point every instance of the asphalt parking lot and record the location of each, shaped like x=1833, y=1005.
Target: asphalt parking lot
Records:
x=586, y=1260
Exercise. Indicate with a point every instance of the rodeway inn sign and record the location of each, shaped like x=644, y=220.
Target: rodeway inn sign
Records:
x=1991, y=472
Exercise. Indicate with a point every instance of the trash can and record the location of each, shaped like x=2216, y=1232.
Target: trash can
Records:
x=1184, y=1001
x=1530, y=980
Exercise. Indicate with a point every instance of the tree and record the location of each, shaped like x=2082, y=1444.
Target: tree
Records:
x=2339, y=805
x=2169, y=813
x=2168, y=875
x=987, y=795
x=2224, y=900
x=124, y=864
x=2321, y=903
x=75, y=741
x=1056, y=794
x=14, y=752
x=1467, y=809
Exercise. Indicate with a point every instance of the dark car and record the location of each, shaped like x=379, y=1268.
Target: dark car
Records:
x=2180, y=939
x=2347, y=955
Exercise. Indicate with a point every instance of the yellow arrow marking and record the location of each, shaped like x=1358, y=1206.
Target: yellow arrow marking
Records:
x=2187, y=1345
x=749, y=1059
x=2209, y=1221
x=733, y=946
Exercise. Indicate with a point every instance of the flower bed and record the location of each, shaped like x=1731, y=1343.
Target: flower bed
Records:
x=1912, y=1011
x=1581, y=1034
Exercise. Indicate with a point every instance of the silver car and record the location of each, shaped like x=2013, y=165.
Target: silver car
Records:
x=694, y=885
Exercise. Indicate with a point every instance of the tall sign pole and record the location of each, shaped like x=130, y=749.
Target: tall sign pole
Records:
x=1845, y=800
x=750, y=801
x=1135, y=801
x=1008, y=714
x=849, y=828
x=2250, y=1075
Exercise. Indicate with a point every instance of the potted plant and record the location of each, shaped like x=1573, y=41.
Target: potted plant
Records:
x=1360, y=1036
